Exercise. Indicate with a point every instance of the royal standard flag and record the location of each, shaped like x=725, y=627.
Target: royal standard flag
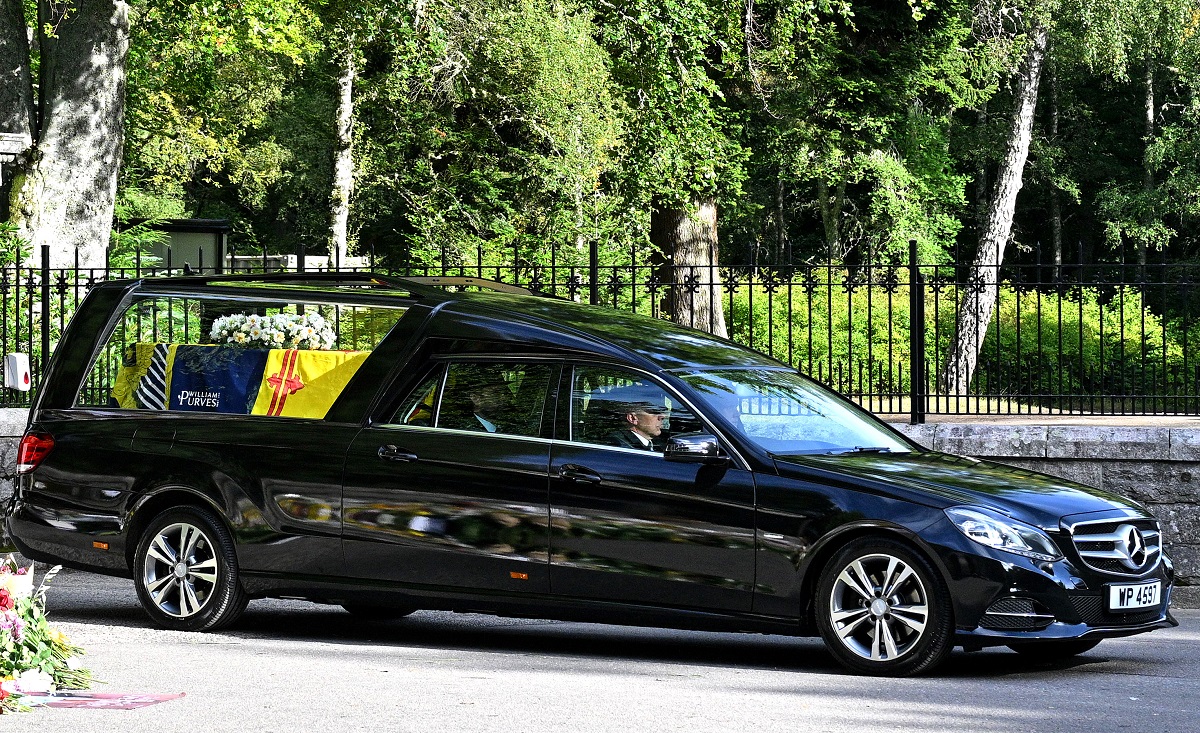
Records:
x=305, y=383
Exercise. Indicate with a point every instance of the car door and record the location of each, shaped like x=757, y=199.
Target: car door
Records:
x=437, y=498
x=287, y=474
x=628, y=525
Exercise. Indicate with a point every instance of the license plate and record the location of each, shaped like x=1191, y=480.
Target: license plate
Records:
x=1140, y=595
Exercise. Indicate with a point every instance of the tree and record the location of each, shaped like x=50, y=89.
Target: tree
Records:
x=488, y=130
x=64, y=193
x=677, y=62
x=1103, y=31
x=979, y=296
x=223, y=122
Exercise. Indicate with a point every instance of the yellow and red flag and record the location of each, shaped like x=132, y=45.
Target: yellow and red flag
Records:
x=304, y=383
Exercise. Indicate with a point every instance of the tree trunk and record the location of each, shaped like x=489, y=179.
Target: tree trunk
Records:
x=981, y=176
x=982, y=290
x=64, y=195
x=831, y=212
x=1055, y=197
x=689, y=237
x=16, y=84
x=343, y=160
x=1147, y=171
x=783, y=251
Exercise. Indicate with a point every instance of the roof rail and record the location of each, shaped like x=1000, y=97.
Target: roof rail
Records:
x=475, y=282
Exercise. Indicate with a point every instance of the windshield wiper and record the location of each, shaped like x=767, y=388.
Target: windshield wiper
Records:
x=862, y=449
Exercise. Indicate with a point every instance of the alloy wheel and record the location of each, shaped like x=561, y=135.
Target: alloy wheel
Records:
x=180, y=572
x=879, y=607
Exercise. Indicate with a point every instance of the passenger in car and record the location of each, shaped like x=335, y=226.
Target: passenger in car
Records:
x=486, y=406
x=642, y=416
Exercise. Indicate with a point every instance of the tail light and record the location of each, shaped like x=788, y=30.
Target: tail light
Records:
x=33, y=450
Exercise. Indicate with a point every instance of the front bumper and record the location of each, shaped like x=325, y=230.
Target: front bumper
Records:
x=1039, y=600
x=981, y=636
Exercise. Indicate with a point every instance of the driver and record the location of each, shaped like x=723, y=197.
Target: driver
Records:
x=641, y=415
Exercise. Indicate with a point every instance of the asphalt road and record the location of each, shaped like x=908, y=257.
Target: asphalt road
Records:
x=291, y=666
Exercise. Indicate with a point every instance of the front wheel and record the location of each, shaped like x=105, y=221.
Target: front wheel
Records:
x=883, y=610
x=185, y=571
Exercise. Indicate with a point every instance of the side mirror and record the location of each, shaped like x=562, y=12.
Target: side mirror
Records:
x=694, y=448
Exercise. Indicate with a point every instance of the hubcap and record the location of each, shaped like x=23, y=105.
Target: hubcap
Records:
x=180, y=573
x=879, y=607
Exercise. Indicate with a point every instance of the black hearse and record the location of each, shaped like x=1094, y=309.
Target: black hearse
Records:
x=387, y=445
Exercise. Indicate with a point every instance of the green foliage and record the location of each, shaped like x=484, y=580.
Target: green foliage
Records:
x=12, y=246
x=204, y=79
x=509, y=127
x=829, y=325
x=1081, y=345
x=1077, y=343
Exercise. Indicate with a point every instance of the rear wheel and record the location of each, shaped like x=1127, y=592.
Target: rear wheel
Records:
x=883, y=609
x=185, y=571
x=1054, y=651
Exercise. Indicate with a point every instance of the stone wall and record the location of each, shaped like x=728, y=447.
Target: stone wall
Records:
x=1158, y=466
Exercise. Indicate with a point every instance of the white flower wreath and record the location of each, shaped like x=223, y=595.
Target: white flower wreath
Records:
x=280, y=331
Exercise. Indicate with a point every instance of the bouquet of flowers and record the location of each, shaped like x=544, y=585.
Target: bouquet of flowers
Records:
x=280, y=331
x=34, y=656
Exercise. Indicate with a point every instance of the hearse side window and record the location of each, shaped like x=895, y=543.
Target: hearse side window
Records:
x=624, y=409
x=235, y=356
x=506, y=398
x=420, y=407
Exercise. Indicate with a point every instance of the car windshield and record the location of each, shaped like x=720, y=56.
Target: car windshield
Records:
x=787, y=414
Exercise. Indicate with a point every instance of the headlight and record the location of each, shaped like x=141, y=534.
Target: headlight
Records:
x=1002, y=533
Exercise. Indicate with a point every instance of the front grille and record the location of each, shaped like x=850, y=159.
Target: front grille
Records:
x=1112, y=546
x=1091, y=611
x=1016, y=614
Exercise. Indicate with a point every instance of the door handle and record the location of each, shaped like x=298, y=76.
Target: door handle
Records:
x=392, y=453
x=572, y=472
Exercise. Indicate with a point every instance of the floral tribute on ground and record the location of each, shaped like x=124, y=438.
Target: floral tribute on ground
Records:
x=35, y=658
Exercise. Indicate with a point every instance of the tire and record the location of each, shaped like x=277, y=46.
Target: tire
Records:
x=364, y=612
x=883, y=610
x=186, y=573
x=1054, y=651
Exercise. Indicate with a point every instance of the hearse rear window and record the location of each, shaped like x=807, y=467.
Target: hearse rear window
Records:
x=235, y=356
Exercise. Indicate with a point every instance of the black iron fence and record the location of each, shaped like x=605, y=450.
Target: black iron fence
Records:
x=1080, y=338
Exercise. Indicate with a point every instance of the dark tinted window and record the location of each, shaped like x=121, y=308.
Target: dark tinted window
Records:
x=420, y=406
x=508, y=398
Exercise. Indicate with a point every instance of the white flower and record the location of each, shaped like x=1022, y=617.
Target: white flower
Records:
x=286, y=330
x=34, y=680
x=18, y=586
